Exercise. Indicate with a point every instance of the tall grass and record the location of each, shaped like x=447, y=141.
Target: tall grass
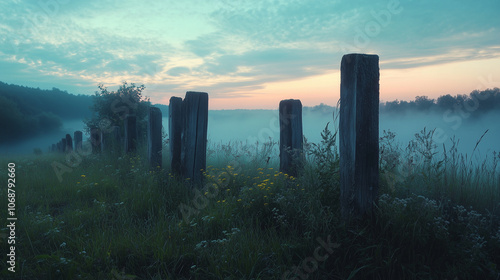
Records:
x=114, y=218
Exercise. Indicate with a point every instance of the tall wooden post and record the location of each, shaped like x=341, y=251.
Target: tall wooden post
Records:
x=69, y=143
x=291, y=145
x=78, y=137
x=64, y=145
x=194, y=135
x=95, y=140
x=103, y=142
x=116, y=138
x=175, y=133
x=359, y=115
x=154, y=138
x=130, y=134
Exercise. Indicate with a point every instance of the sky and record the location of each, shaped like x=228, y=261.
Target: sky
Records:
x=250, y=54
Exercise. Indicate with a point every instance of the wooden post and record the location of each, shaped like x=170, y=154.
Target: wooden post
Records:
x=53, y=148
x=104, y=141
x=116, y=138
x=291, y=146
x=58, y=145
x=359, y=109
x=95, y=140
x=154, y=138
x=130, y=134
x=69, y=143
x=63, y=145
x=175, y=133
x=194, y=135
x=78, y=137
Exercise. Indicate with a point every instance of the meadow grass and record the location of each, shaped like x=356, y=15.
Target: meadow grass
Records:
x=115, y=218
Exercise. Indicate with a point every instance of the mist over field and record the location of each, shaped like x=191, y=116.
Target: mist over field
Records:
x=249, y=126
x=252, y=125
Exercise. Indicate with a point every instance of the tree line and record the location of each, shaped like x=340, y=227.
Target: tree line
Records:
x=29, y=112
x=478, y=101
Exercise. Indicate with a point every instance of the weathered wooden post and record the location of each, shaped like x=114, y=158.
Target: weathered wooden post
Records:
x=175, y=133
x=359, y=115
x=291, y=146
x=69, y=143
x=130, y=134
x=63, y=145
x=117, y=139
x=194, y=135
x=154, y=138
x=78, y=137
x=58, y=145
x=95, y=140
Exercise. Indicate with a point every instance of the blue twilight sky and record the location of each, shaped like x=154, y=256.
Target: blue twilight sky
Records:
x=250, y=54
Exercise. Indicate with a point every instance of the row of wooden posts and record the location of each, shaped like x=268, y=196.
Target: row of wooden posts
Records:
x=188, y=122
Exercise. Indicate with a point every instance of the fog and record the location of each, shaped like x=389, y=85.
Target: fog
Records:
x=253, y=125
x=250, y=126
x=43, y=142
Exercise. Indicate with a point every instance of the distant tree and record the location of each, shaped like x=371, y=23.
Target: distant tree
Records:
x=391, y=106
x=423, y=103
x=111, y=107
x=446, y=102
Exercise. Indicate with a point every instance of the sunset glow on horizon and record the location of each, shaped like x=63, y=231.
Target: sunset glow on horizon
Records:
x=250, y=55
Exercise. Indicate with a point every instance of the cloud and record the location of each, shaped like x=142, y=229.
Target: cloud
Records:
x=232, y=47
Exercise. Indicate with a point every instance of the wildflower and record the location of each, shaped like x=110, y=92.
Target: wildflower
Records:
x=83, y=176
x=265, y=204
x=239, y=200
x=223, y=201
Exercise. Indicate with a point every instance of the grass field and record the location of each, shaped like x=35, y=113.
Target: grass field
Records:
x=113, y=218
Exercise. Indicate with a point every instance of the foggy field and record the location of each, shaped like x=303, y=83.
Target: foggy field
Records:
x=249, y=126
x=113, y=218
